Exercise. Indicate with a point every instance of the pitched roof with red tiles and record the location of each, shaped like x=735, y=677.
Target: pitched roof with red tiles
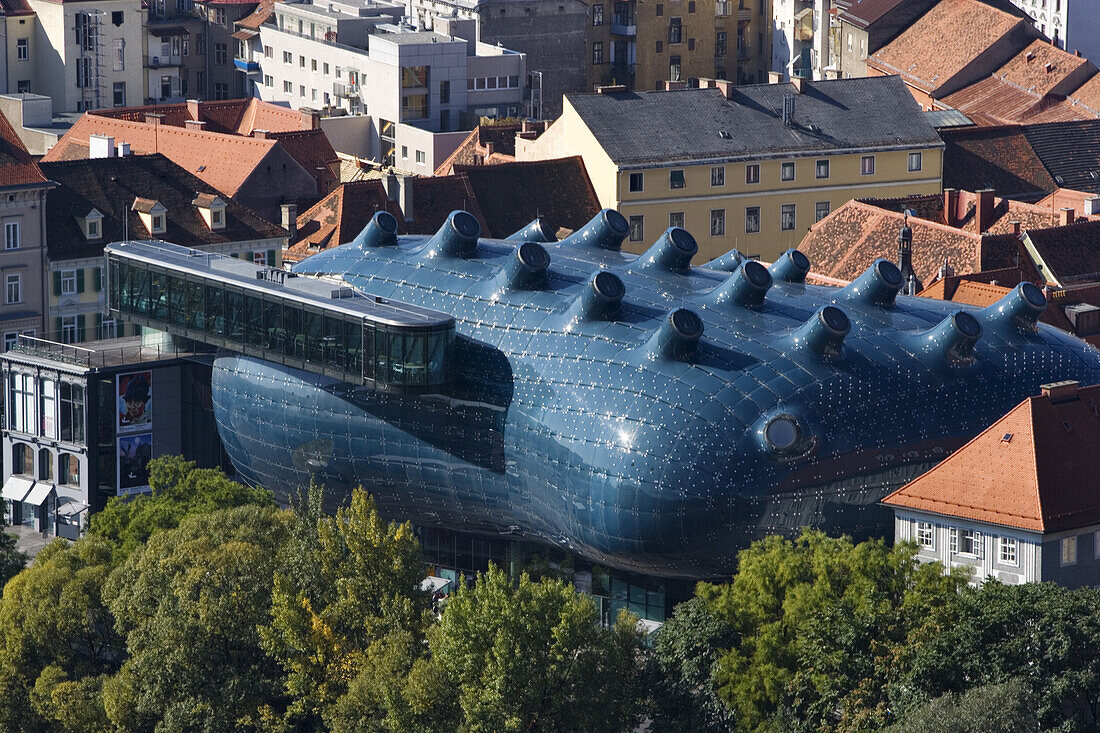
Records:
x=436, y=197
x=1033, y=469
x=943, y=42
x=511, y=195
x=1000, y=158
x=235, y=116
x=313, y=150
x=1069, y=253
x=16, y=7
x=485, y=145
x=1067, y=198
x=339, y=217
x=257, y=17
x=1088, y=95
x=17, y=168
x=1041, y=67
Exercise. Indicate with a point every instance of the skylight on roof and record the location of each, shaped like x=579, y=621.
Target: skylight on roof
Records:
x=1006, y=438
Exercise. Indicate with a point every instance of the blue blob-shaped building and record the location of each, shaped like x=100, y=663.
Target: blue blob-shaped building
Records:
x=647, y=414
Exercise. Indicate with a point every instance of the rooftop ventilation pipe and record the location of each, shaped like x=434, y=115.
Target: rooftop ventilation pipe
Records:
x=1021, y=307
x=728, y=262
x=526, y=267
x=823, y=334
x=952, y=340
x=878, y=285
x=678, y=337
x=671, y=253
x=606, y=230
x=538, y=230
x=791, y=267
x=380, y=231
x=600, y=300
x=746, y=286
x=457, y=237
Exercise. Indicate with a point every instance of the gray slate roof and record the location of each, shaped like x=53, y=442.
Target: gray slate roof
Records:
x=639, y=128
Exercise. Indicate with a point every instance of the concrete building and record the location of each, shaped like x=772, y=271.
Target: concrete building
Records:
x=800, y=37
x=1020, y=502
x=1073, y=25
x=731, y=164
x=172, y=60
x=23, y=191
x=88, y=55
x=218, y=77
x=17, y=47
x=553, y=35
x=864, y=27
x=351, y=56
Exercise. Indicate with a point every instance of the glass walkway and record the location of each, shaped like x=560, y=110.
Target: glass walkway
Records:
x=314, y=324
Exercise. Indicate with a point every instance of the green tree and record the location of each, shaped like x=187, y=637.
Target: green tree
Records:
x=56, y=636
x=346, y=595
x=190, y=603
x=179, y=490
x=683, y=664
x=1039, y=633
x=12, y=560
x=527, y=656
x=998, y=708
x=817, y=623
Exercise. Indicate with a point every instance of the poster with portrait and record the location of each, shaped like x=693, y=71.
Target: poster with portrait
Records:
x=134, y=394
x=134, y=453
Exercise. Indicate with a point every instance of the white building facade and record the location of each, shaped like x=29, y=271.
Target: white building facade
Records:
x=1073, y=25
x=800, y=38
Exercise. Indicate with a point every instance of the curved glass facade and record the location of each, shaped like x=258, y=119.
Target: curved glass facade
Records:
x=593, y=417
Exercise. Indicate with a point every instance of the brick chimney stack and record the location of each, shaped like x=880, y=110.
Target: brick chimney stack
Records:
x=194, y=109
x=289, y=221
x=1066, y=216
x=194, y=124
x=311, y=118
x=153, y=118
x=725, y=86
x=984, y=209
x=950, y=206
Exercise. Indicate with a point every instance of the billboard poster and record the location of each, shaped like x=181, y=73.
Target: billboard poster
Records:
x=134, y=453
x=134, y=396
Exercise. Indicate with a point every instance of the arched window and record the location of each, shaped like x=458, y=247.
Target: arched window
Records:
x=69, y=469
x=45, y=465
x=21, y=459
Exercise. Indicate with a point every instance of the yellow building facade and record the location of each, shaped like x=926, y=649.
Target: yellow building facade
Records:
x=756, y=200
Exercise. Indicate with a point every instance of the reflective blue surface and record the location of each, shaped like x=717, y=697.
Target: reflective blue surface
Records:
x=612, y=428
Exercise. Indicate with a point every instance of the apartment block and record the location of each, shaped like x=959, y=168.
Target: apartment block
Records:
x=748, y=168
x=218, y=78
x=800, y=37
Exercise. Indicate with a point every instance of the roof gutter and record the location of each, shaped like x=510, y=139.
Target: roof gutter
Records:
x=752, y=157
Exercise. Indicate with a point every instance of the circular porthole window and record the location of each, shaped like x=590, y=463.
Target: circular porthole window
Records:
x=782, y=433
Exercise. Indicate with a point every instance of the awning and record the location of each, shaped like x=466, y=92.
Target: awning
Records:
x=244, y=35
x=170, y=30
x=39, y=493
x=16, y=488
x=434, y=584
x=71, y=508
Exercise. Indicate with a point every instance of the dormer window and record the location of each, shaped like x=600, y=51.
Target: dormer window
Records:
x=152, y=213
x=91, y=224
x=212, y=209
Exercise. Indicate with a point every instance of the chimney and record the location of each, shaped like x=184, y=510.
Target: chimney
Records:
x=1060, y=391
x=290, y=219
x=798, y=83
x=405, y=195
x=194, y=109
x=194, y=124
x=1049, y=67
x=389, y=182
x=775, y=77
x=1092, y=206
x=101, y=146
x=984, y=209
x=153, y=118
x=1065, y=217
x=950, y=206
x=489, y=145
x=611, y=89
x=311, y=118
x=122, y=150
x=725, y=86
x=1030, y=56
x=673, y=86
x=260, y=134
x=1015, y=227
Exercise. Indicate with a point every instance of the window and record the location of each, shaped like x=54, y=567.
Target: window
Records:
x=301, y=62
x=597, y=53
x=11, y=235
x=1006, y=550
x=676, y=178
x=660, y=9
x=70, y=469
x=313, y=65
x=45, y=465
x=219, y=16
x=675, y=31
x=288, y=57
x=752, y=173
x=158, y=223
x=821, y=210
x=48, y=407
x=821, y=169
x=786, y=217
x=597, y=14
x=691, y=6
x=217, y=218
x=752, y=220
x=221, y=54
x=676, y=219
x=1069, y=550
x=637, y=228
x=404, y=152
x=22, y=49
x=867, y=165
x=11, y=338
x=914, y=162
x=23, y=86
x=13, y=290
x=720, y=43
x=68, y=282
x=718, y=175
x=301, y=90
x=635, y=182
x=116, y=17
x=926, y=536
x=120, y=55
x=849, y=41
x=717, y=222
x=119, y=94
x=786, y=171
x=722, y=7
x=324, y=69
x=444, y=92
x=69, y=329
x=185, y=44
x=259, y=258
x=421, y=157
x=660, y=46
x=269, y=52
x=288, y=88
x=108, y=328
x=674, y=68
x=968, y=542
x=269, y=81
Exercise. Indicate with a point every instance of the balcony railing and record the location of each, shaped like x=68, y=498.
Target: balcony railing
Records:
x=128, y=351
x=249, y=67
x=340, y=89
x=623, y=29
x=160, y=62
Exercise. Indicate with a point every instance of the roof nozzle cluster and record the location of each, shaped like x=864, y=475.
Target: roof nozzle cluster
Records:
x=601, y=299
x=728, y=262
x=878, y=285
x=457, y=237
x=791, y=267
x=606, y=230
x=746, y=286
x=539, y=230
x=823, y=334
x=671, y=253
x=1021, y=307
x=526, y=267
x=952, y=340
x=380, y=231
x=678, y=337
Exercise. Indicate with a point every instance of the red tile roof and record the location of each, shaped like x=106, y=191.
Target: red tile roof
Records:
x=339, y=217
x=1041, y=68
x=257, y=17
x=17, y=168
x=236, y=116
x=485, y=145
x=943, y=42
x=1088, y=95
x=16, y=7
x=1069, y=253
x=1034, y=469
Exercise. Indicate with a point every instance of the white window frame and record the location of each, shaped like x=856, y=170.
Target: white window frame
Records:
x=637, y=228
x=718, y=175
x=68, y=282
x=752, y=173
x=953, y=540
x=13, y=289
x=915, y=156
x=1068, y=554
x=821, y=165
x=784, y=168
x=749, y=220
x=974, y=538
x=259, y=257
x=925, y=535
x=12, y=240
x=157, y=223
x=1008, y=551
x=11, y=338
x=22, y=49
x=70, y=333
x=784, y=213
x=717, y=222
x=867, y=165
x=108, y=328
